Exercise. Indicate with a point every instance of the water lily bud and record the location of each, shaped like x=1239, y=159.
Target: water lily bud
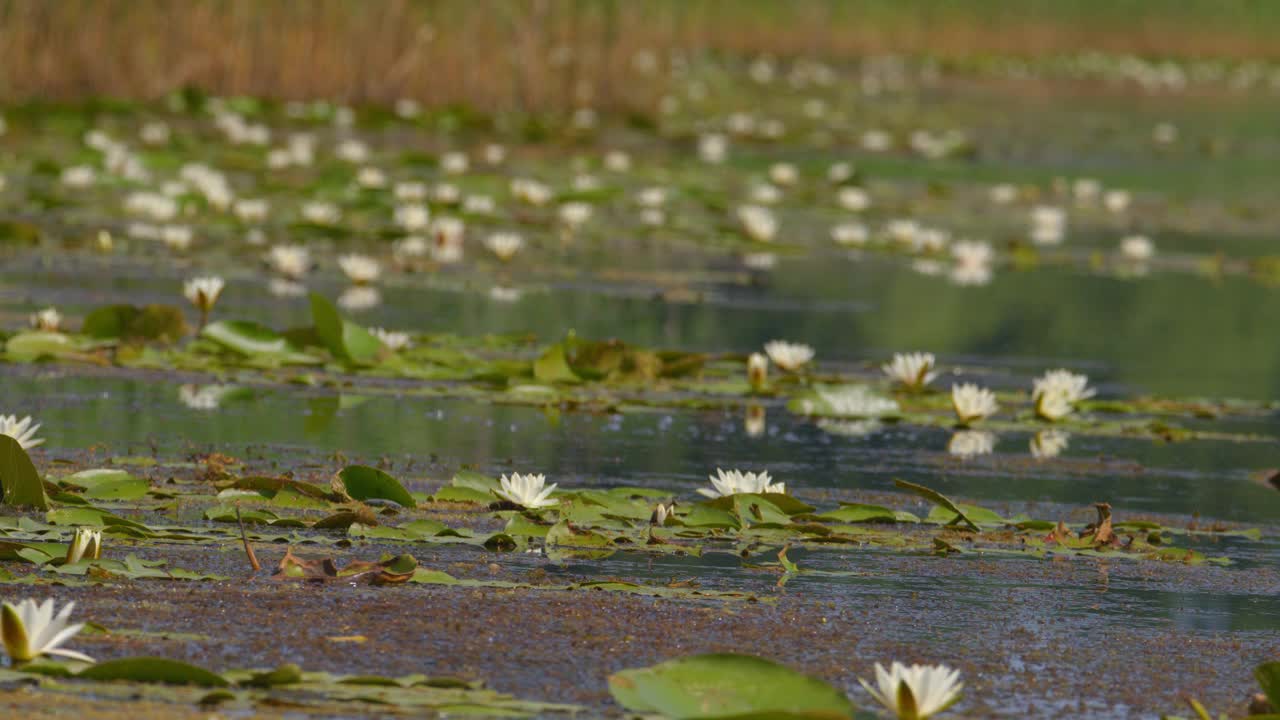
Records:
x=757, y=371
x=661, y=513
x=86, y=544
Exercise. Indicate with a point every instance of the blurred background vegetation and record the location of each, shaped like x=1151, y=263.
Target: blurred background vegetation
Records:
x=548, y=54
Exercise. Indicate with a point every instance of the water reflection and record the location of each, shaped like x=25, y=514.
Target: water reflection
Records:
x=666, y=448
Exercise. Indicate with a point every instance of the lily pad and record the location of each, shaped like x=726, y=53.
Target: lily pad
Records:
x=725, y=685
x=362, y=482
x=153, y=670
x=18, y=477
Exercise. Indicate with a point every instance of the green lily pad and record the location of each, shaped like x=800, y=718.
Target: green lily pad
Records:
x=362, y=482
x=725, y=685
x=153, y=670
x=18, y=477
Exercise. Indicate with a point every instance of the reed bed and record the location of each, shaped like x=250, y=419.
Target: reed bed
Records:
x=552, y=54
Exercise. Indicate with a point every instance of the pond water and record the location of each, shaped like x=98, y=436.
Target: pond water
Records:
x=1188, y=324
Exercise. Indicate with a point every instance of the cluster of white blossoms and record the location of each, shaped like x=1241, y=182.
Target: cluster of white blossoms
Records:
x=733, y=482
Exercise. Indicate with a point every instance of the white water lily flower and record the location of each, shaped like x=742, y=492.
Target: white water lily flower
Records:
x=154, y=133
x=371, y=177
x=765, y=194
x=1137, y=248
x=408, y=108
x=574, y=214
x=79, y=176
x=494, y=154
x=529, y=491
x=410, y=191
x=651, y=197
x=902, y=230
x=972, y=254
x=177, y=237
x=876, y=141
x=360, y=269
x=1003, y=194
x=24, y=430
x=155, y=206
x=531, y=192
x=736, y=481
x=1049, y=443
x=850, y=234
x=505, y=294
x=353, y=151
x=758, y=223
x=292, y=261
x=617, y=161
x=1117, y=201
x=454, y=163
x=913, y=370
x=1057, y=391
x=972, y=403
x=448, y=231
x=916, y=692
x=393, y=340
x=853, y=199
x=653, y=217
x=713, y=148
x=47, y=320
x=784, y=174
x=446, y=193
x=1086, y=190
x=788, y=355
x=86, y=544
x=412, y=217
x=1048, y=225
x=203, y=292
x=504, y=245
x=29, y=630
x=839, y=172
x=251, y=210
x=478, y=205
x=321, y=213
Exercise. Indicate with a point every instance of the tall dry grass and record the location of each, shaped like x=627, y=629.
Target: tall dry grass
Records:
x=540, y=54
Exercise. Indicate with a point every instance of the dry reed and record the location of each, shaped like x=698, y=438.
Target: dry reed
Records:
x=544, y=54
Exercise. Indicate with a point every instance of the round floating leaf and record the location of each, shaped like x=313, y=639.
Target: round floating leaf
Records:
x=108, y=484
x=28, y=346
x=254, y=340
x=18, y=477
x=362, y=482
x=726, y=685
x=153, y=670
